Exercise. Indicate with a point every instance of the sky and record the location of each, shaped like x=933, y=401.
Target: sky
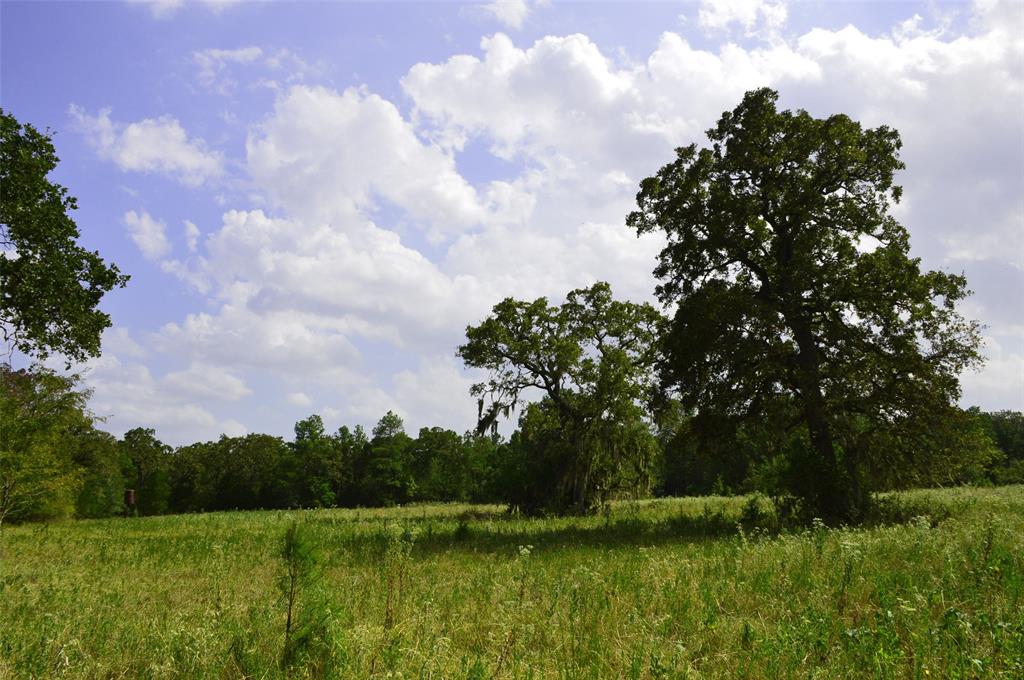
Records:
x=313, y=199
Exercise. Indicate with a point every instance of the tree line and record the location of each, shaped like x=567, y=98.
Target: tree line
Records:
x=800, y=350
x=55, y=462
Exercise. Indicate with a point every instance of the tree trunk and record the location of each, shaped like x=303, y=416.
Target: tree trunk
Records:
x=834, y=485
x=582, y=482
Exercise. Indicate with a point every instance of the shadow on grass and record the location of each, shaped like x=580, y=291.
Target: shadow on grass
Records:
x=503, y=533
x=506, y=535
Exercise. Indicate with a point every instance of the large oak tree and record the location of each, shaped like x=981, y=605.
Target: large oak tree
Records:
x=796, y=298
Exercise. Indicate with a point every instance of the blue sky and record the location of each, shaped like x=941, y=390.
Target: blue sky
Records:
x=314, y=198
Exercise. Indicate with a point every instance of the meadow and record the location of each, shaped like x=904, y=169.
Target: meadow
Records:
x=669, y=588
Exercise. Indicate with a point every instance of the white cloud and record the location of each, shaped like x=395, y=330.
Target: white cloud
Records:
x=128, y=396
x=565, y=105
x=149, y=234
x=165, y=9
x=208, y=382
x=964, y=186
x=589, y=131
x=191, y=236
x=295, y=300
x=434, y=395
x=291, y=342
x=213, y=65
x=178, y=405
x=158, y=145
x=328, y=156
x=218, y=70
x=161, y=9
x=233, y=428
x=298, y=399
x=512, y=13
x=567, y=108
x=751, y=15
x=999, y=384
x=118, y=340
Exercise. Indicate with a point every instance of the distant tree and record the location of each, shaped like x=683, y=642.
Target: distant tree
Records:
x=441, y=466
x=49, y=285
x=352, y=446
x=195, y=477
x=249, y=473
x=796, y=297
x=319, y=462
x=485, y=456
x=1006, y=429
x=102, y=463
x=388, y=472
x=592, y=360
x=149, y=473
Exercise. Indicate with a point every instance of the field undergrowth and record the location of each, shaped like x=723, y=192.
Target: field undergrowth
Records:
x=670, y=588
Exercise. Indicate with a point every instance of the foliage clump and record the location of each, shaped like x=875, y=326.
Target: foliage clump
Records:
x=49, y=285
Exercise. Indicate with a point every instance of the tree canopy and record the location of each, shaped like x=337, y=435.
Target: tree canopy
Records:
x=796, y=298
x=592, y=361
x=49, y=285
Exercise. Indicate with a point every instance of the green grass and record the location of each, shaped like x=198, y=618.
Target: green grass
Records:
x=656, y=589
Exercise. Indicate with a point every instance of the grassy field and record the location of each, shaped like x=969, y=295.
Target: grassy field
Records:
x=657, y=589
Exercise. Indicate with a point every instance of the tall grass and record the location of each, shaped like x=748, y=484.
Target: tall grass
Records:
x=700, y=588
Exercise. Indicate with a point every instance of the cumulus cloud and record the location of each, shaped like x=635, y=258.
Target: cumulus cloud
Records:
x=297, y=302
x=207, y=381
x=298, y=399
x=434, y=394
x=149, y=234
x=180, y=404
x=512, y=13
x=569, y=109
x=158, y=145
x=1000, y=383
x=290, y=342
x=127, y=395
x=191, y=236
x=233, y=428
x=119, y=341
x=565, y=105
x=161, y=9
x=964, y=187
x=329, y=156
x=752, y=16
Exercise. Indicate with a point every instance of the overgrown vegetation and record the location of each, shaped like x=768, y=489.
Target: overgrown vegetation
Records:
x=700, y=587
